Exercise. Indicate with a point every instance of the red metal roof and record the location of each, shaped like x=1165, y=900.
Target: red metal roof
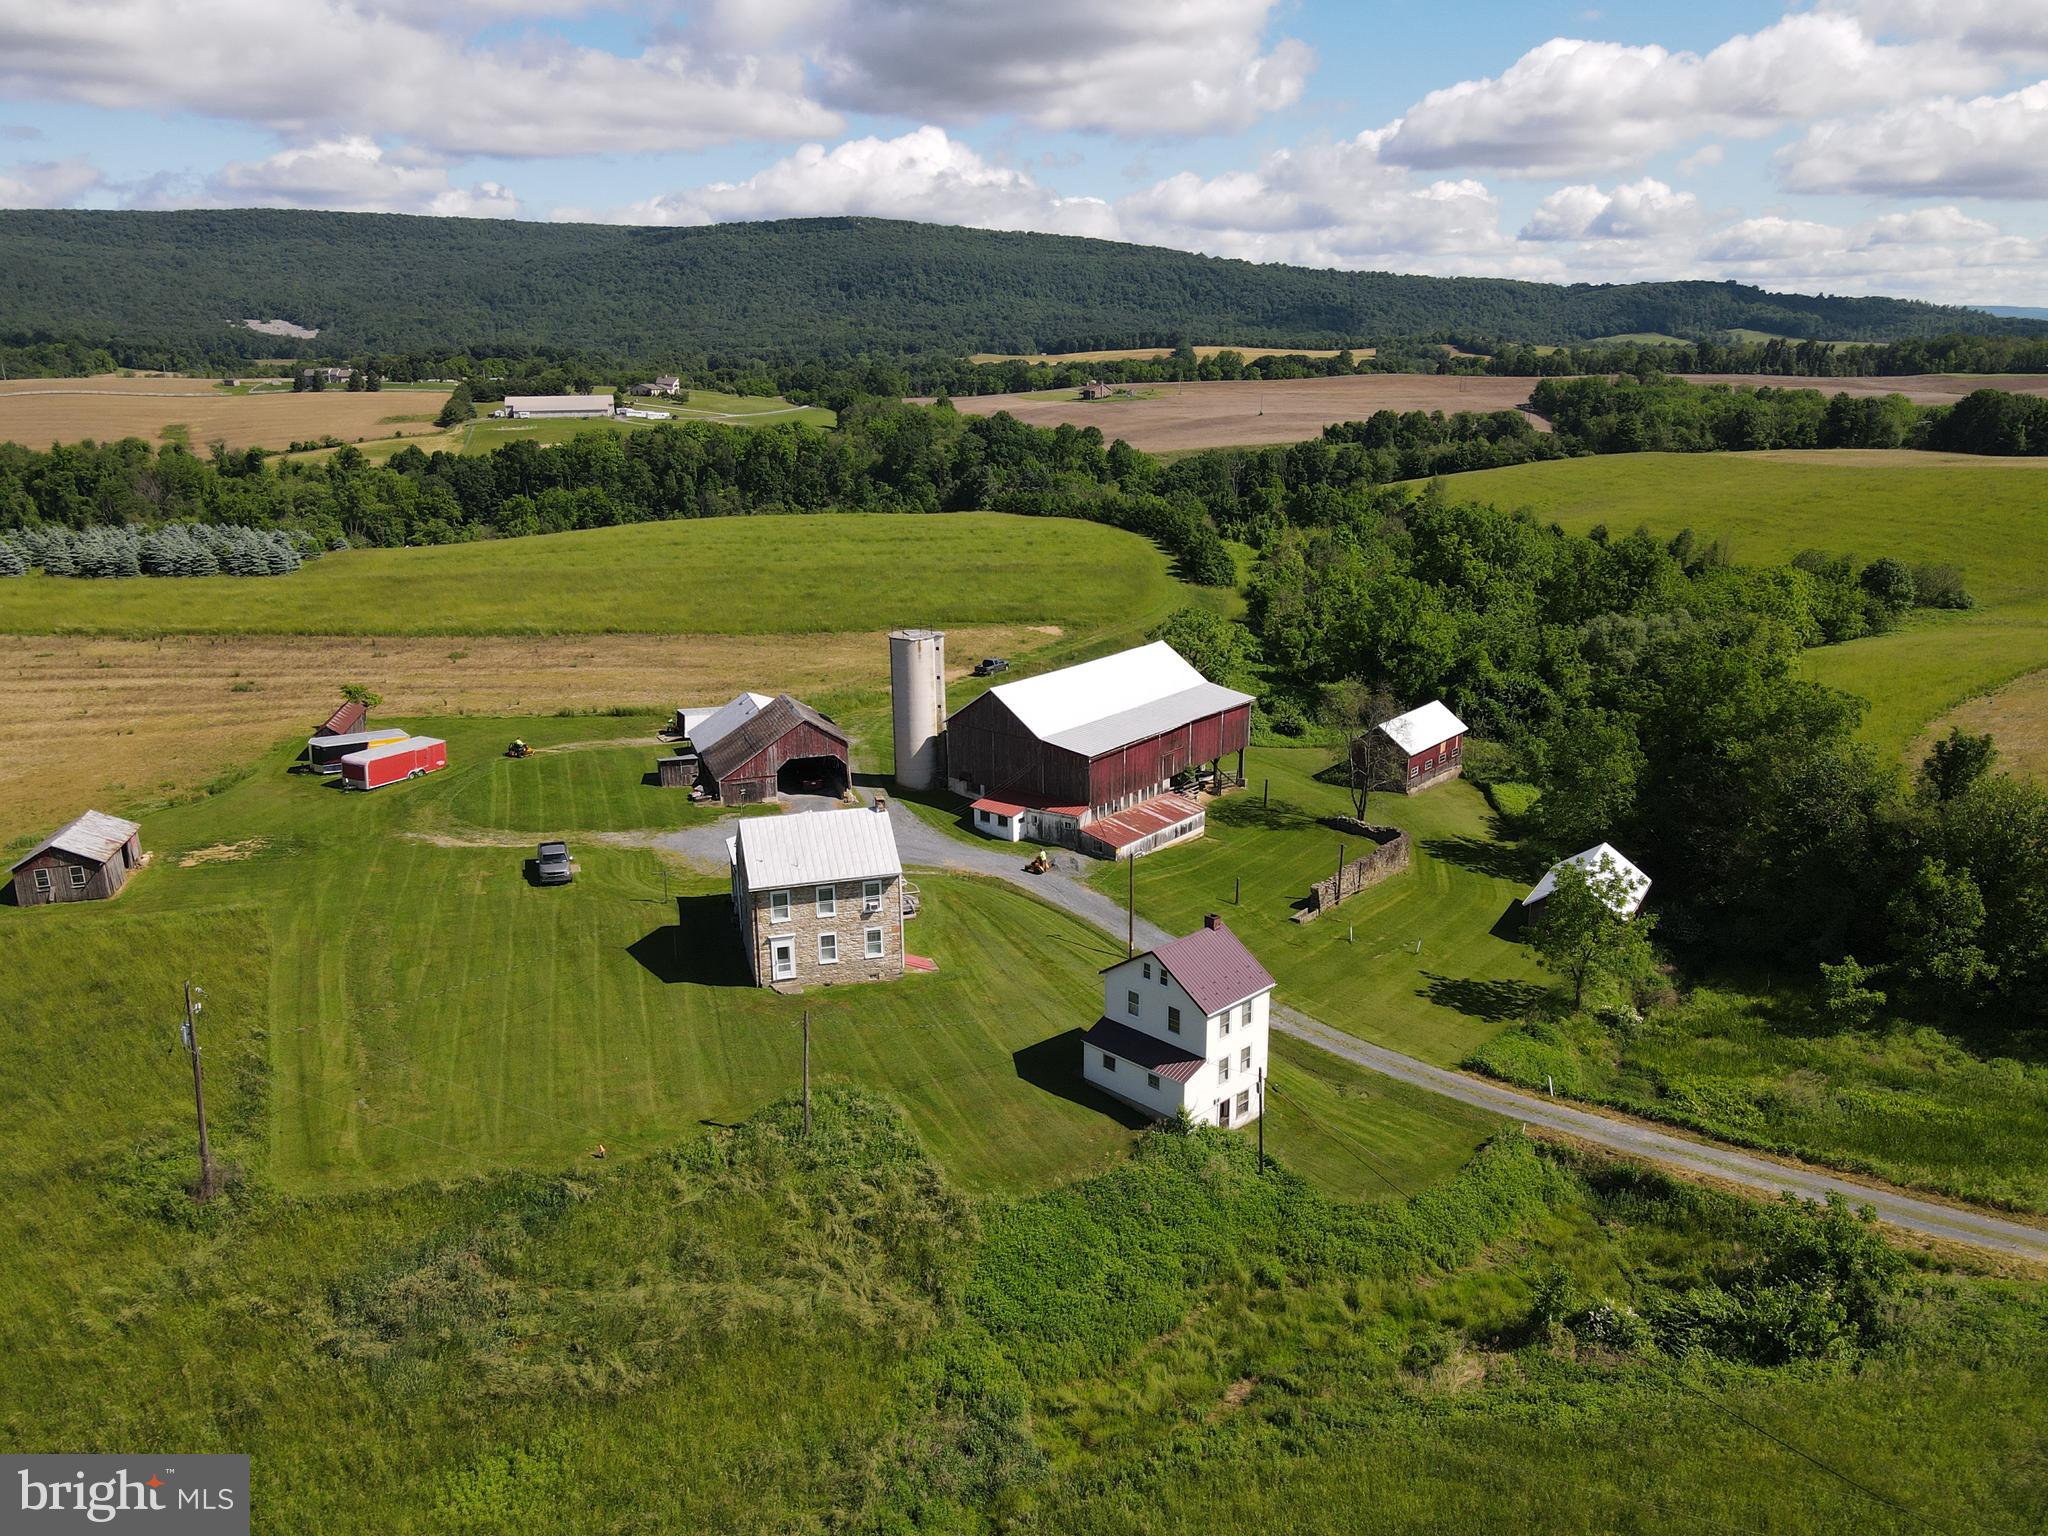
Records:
x=1147, y=1051
x=1213, y=967
x=1011, y=801
x=347, y=717
x=1143, y=819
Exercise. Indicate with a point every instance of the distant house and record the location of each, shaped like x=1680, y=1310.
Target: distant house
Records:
x=557, y=407
x=1086, y=757
x=1183, y=1027
x=1094, y=389
x=1430, y=743
x=1599, y=859
x=331, y=375
x=667, y=384
x=768, y=748
x=85, y=860
x=819, y=898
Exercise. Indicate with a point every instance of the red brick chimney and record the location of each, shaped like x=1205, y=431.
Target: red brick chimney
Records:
x=1211, y=920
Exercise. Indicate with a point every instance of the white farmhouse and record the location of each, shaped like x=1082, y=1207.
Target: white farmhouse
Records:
x=1183, y=1026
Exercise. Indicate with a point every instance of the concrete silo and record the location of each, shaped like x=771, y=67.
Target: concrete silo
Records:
x=917, y=690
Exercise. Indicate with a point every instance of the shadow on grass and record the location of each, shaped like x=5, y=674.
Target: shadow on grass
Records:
x=700, y=947
x=1512, y=923
x=1494, y=1001
x=1502, y=861
x=943, y=801
x=1055, y=1066
x=1242, y=809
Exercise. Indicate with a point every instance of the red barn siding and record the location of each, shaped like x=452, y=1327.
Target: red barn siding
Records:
x=990, y=749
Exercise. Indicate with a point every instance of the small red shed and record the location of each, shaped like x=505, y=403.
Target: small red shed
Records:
x=351, y=716
x=374, y=767
x=1430, y=742
x=86, y=860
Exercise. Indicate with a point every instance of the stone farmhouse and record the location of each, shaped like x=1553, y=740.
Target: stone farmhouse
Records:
x=819, y=898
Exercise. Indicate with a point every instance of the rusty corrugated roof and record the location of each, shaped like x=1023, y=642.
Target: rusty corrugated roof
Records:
x=782, y=715
x=346, y=717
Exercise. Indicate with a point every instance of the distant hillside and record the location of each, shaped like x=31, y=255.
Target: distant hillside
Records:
x=2016, y=311
x=380, y=282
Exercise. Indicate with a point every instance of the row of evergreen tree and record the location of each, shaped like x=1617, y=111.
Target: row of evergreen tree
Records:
x=175, y=549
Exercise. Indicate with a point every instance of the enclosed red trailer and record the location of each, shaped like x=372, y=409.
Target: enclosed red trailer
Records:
x=374, y=767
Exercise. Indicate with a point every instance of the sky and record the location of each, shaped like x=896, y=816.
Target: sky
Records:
x=1840, y=146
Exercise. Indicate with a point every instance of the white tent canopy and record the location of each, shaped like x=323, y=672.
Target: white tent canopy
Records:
x=1599, y=859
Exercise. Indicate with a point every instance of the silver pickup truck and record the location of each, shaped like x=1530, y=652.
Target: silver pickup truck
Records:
x=551, y=865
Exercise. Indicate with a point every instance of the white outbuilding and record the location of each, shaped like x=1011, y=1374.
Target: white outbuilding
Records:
x=557, y=407
x=1600, y=859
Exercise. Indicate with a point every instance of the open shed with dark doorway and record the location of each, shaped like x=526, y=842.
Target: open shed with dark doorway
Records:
x=788, y=748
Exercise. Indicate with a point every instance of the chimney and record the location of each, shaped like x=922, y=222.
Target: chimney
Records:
x=1211, y=920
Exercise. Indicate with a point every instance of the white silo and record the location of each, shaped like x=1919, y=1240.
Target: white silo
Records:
x=917, y=691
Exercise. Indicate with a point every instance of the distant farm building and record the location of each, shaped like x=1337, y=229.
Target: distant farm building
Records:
x=757, y=748
x=85, y=860
x=1184, y=1027
x=1086, y=757
x=819, y=898
x=557, y=407
x=1601, y=859
x=1094, y=389
x=349, y=716
x=331, y=375
x=1429, y=744
x=667, y=384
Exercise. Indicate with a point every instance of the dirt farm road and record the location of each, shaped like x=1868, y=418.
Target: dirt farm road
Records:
x=1935, y=1220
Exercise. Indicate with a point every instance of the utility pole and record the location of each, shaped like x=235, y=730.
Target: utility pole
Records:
x=191, y=1037
x=1131, y=906
x=807, y=1074
x=1262, y=1119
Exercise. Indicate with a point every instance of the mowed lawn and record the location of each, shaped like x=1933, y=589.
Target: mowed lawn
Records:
x=431, y=1014
x=736, y=575
x=1358, y=968
x=1981, y=514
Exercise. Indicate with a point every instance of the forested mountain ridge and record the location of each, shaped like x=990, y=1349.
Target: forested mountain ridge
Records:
x=809, y=287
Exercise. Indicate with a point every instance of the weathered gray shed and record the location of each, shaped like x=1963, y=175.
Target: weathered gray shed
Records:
x=85, y=860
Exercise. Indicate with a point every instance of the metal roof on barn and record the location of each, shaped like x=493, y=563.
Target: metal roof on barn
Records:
x=1421, y=729
x=812, y=847
x=348, y=716
x=95, y=836
x=707, y=730
x=1103, y=704
x=746, y=740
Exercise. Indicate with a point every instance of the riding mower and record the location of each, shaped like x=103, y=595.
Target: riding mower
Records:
x=518, y=749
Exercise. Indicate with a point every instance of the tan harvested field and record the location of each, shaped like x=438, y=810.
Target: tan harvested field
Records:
x=1230, y=413
x=2015, y=716
x=1128, y=354
x=39, y=412
x=1922, y=388
x=125, y=724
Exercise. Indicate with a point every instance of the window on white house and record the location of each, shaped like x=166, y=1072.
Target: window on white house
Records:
x=874, y=943
x=1222, y=1069
x=1162, y=975
x=1244, y=1058
x=1244, y=1014
x=1223, y=1022
x=778, y=906
x=1172, y=1020
x=1151, y=1079
x=78, y=877
x=1131, y=1004
x=42, y=879
x=1148, y=970
x=828, y=901
x=828, y=949
x=1108, y=1062
x=871, y=895
x=1244, y=1102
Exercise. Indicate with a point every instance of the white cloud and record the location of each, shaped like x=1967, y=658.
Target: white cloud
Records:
x=923, y=175
x=1641, y=210
x=328, y=67
x=1773, y=238
x=1927, y=226
x=1704, y=158
x=1989, y=146
x=1571, y=106
x=2010, y=30
x=355, y=173
x=1161, y=67
x=48, y=183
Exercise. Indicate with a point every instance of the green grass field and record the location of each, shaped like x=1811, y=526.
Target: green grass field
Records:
x=1439, y=1003
x=737, y=575
x=1981, y=514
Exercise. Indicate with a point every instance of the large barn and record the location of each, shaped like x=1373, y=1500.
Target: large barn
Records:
x=753, y=751
x=1086, y=757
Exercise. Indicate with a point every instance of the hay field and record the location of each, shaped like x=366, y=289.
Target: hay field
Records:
x=2015, y=716
x=1920, y=388
x=125, y=723
x=1231, y=413
x=1130, y=354
x=40, y=412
